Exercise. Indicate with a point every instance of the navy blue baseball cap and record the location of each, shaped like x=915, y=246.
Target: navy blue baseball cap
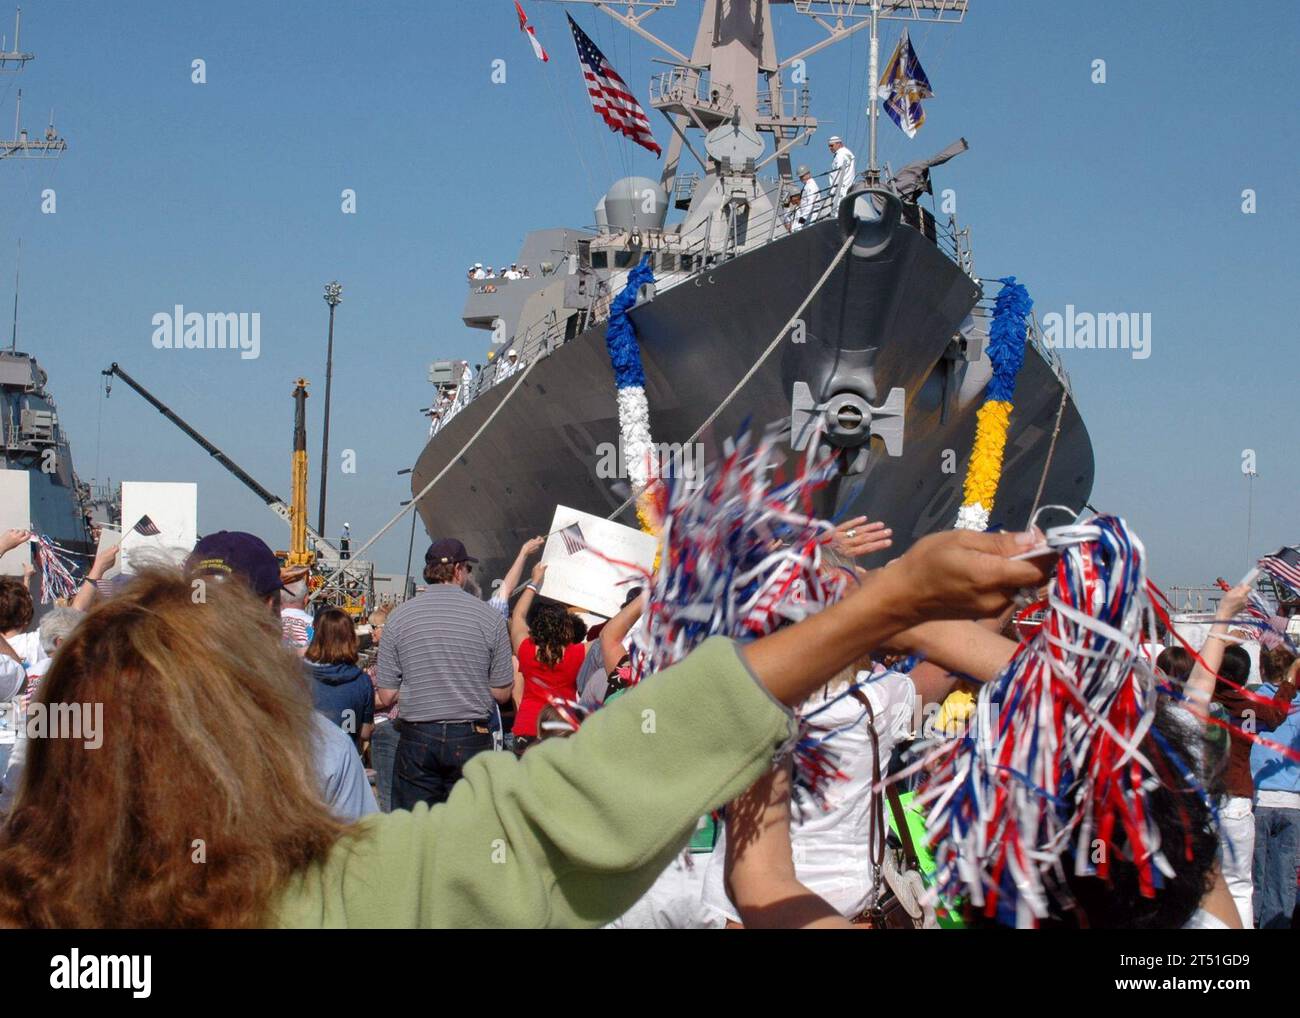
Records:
x=446, y=551
x=235, y=553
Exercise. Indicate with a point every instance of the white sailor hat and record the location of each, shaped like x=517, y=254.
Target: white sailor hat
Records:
x=478, y=265
x=803, y=170
x=833, y=139
x=512, y=352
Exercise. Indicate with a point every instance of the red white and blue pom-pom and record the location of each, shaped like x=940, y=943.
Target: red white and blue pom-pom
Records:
x=56, y=572
x=741, y=555
x=1054, y=761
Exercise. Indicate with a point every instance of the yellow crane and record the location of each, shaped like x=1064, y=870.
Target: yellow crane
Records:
x=352, y=591
x=298, y=554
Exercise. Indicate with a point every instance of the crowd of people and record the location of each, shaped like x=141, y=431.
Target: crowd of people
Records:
x=455, y=396
x=513, y=271
x=458, y=761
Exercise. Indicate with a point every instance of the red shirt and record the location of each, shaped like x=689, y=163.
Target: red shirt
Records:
x=1266, y=716
x=541, y=681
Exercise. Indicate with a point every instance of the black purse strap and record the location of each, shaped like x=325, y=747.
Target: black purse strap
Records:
x=877, y=798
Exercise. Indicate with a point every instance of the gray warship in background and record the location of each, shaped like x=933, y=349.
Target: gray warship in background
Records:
x=890, y=357
x=33, y=439
x=35, y=442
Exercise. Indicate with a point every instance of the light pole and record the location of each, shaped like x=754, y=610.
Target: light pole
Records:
x=333, y=297
x=1250, y=512
x=410, y=547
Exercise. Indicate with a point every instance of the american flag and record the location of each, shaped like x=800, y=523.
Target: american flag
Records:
x=146, y=527
x=527, y=29
x=573, y=540
x=1267, y=626
x=1284, y=566
x=610, y=96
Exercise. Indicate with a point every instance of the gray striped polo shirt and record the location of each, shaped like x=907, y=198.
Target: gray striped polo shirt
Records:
x=442, y=650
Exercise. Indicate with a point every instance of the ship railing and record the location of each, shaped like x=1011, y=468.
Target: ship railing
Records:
x=985, y=306
x=954, y=241
x=1048, y=352
x=684, y=188
x=1195, y=600
x=793, y=101
x=688, y=86
x=539, y=340
x=702, y=254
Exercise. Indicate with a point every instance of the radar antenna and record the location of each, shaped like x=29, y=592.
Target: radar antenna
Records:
x=22, y=145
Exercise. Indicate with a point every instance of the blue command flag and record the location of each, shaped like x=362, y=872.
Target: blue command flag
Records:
x=903, y=86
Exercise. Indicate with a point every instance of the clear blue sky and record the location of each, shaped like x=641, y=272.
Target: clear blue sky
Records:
x=225, y=197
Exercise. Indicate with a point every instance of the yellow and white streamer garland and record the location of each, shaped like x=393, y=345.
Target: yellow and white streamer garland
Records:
x=993, y=419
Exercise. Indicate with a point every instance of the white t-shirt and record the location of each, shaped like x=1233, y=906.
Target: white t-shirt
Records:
x=832, y=848
x=13, y=676
x=297, y=627
x=674, y=901
x=1277, y=799
x=13, y=683
x=1202, y=920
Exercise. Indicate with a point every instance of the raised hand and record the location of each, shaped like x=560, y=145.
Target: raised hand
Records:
x=1233, y=602
x=954, y=575
x=11, y=539
x=857, y=537
x=960, y=574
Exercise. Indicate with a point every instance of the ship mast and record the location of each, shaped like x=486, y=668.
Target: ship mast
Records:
x=15, y=55
x=734, y=46
x=21, y=145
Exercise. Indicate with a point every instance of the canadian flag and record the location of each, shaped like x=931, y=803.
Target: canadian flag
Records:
x=527, y=29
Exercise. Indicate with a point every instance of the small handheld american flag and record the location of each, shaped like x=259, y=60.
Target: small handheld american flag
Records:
x=1284, y=566
x=1270, y=626
x=146, y=527
x=573, y=540
x=610, y=96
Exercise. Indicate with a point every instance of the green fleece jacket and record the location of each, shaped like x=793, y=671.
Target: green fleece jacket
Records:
x=571, y=834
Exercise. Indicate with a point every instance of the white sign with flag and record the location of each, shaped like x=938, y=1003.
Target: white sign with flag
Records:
x=15, y=514
x=592, y=562
x=159, y=522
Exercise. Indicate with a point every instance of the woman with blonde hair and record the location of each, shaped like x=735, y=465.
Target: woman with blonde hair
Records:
x=190, y=798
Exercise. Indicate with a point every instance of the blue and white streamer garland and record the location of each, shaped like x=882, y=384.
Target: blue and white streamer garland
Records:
x=629, y=380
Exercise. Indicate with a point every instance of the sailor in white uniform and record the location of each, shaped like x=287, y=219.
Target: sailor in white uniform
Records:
x=843, y=171
x=809, y=200
x=508, y=364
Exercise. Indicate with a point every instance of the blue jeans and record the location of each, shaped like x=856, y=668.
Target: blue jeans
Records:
x=383, y=754
x=1277, y=851
x=430, y=757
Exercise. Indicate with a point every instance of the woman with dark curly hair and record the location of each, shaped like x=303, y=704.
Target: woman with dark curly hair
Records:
x=548, y=658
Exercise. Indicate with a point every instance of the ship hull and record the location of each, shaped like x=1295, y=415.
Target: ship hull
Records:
x=550, y=442
x=55, y=508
